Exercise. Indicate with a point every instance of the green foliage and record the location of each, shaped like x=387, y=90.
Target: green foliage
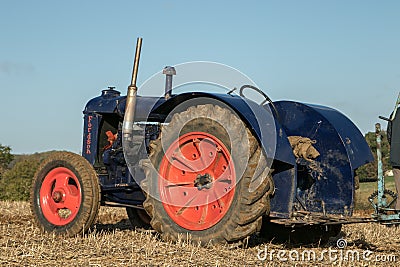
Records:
x=369, y=172
x=16, y=183
x=16, y=180
x=5, y=158
x=36, y=156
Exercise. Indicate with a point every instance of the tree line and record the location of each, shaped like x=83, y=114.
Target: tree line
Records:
x=16, y=173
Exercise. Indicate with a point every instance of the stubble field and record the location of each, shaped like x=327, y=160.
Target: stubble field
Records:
x=113, y=242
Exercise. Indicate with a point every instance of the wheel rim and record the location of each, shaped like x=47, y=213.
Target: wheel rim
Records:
x=197, y=181
x=60, y=196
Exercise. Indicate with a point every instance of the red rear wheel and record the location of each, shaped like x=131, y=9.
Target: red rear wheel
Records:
x=197, y=180
x=206, y=176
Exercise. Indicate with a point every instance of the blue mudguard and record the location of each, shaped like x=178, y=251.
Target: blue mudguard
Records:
x=327, y=184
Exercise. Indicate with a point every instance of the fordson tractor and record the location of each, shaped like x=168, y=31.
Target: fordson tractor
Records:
x=216, y=166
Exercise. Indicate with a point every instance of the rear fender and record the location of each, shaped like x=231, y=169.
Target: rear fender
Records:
x=329, y=187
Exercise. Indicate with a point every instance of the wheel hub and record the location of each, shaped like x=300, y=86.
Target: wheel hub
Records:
x=203, y=181
x=57, y=196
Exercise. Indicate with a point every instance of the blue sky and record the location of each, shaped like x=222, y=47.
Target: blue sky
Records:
x=56, y=55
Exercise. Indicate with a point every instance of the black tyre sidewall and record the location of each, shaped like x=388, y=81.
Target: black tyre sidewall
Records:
x=135, y=219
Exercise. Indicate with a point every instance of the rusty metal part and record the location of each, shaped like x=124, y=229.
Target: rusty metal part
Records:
x=303, y=218
x=385, y=204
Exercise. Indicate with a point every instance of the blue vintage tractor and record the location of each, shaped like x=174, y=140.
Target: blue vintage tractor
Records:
x=219, y=167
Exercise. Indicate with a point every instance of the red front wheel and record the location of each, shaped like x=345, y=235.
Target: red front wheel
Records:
x=65, y=194
x=60, y=196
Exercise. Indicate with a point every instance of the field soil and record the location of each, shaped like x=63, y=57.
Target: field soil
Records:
x=113, y=242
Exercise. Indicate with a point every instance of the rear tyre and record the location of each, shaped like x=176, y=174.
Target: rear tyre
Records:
x=211, y=181
x=65, y=194
x=138, y=218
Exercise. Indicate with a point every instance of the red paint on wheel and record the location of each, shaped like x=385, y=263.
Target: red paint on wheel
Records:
x=197, y=181
x=60, y=194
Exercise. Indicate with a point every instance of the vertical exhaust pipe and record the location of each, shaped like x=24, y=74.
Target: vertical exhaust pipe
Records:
x=127, y=126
